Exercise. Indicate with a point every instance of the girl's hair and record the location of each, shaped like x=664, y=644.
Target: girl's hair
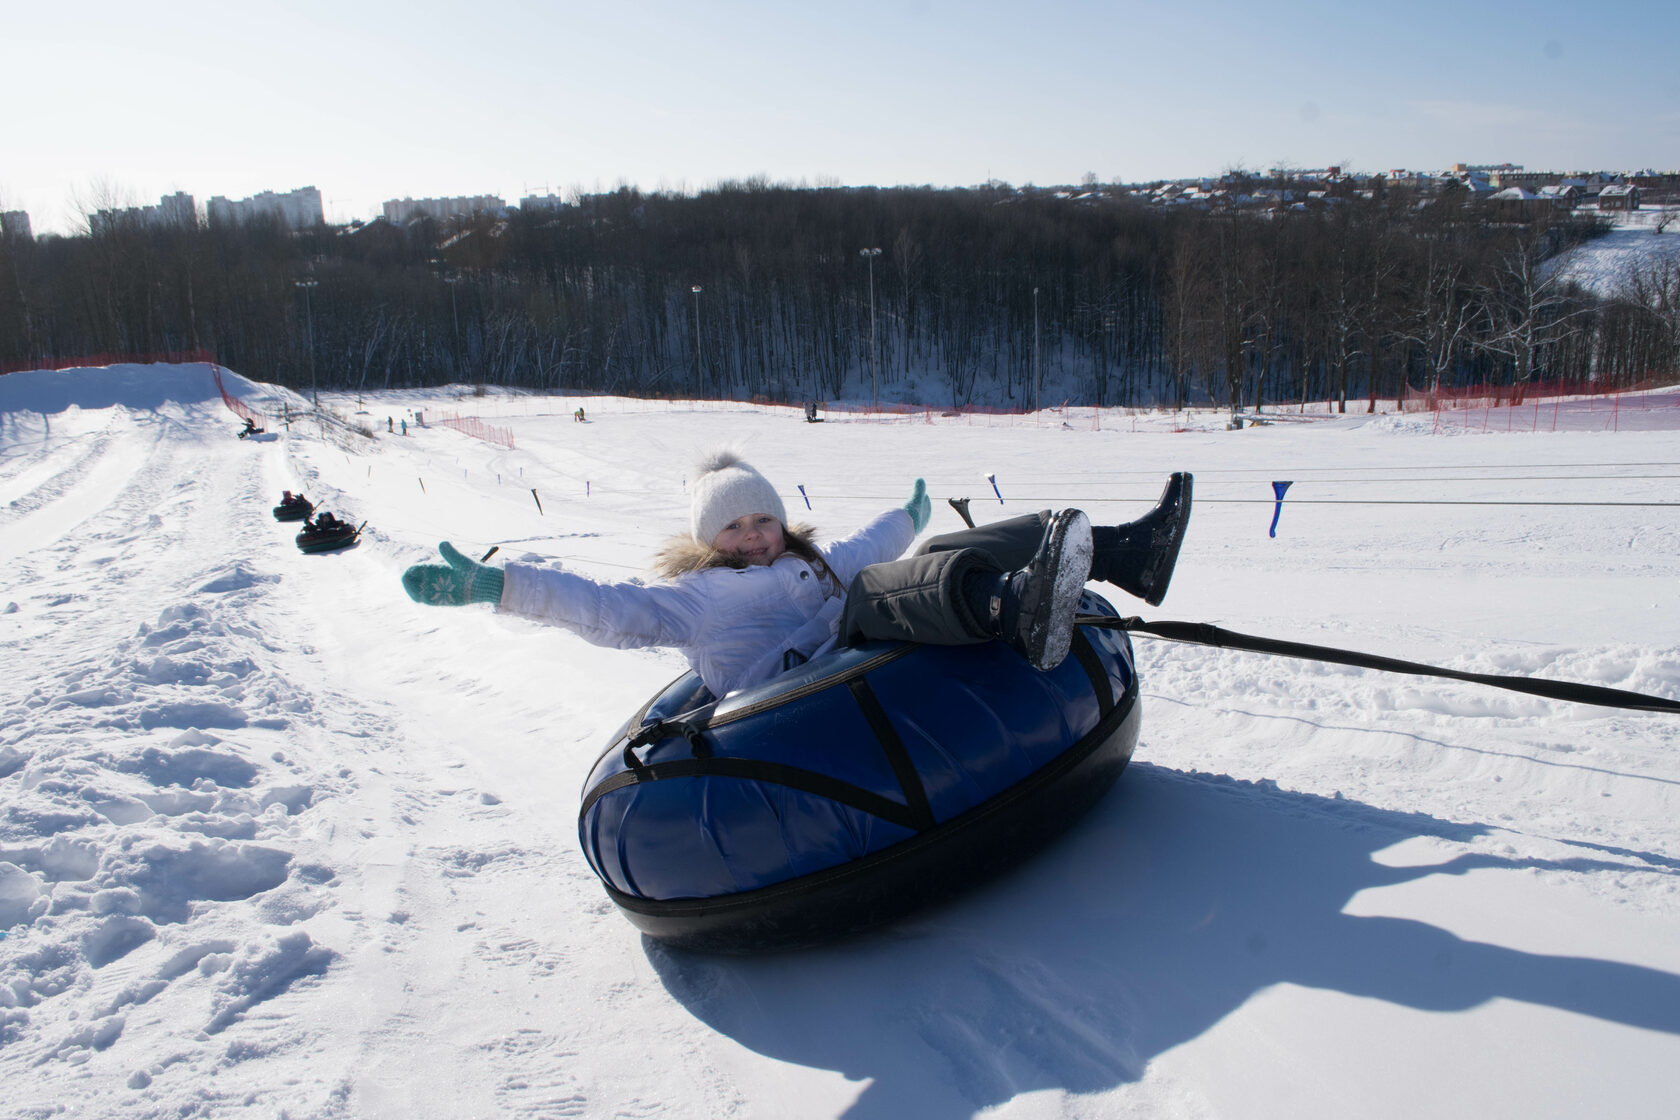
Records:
x=683, y=554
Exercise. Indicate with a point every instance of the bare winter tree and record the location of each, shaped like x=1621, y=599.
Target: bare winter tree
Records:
x=1189, y=269
x=1439, y=317
x=1653, y=294
x=1527, y=304
x=1233, y=292
x=1270, y=301
x=1344, y=305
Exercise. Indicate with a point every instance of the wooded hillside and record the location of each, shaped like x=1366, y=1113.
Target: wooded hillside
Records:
x=996, y=296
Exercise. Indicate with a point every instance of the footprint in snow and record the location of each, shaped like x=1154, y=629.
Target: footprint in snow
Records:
x=262, y=971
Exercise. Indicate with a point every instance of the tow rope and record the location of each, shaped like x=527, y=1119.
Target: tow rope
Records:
x=1206, y=634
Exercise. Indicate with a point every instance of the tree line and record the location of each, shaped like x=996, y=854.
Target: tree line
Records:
x=988, y=295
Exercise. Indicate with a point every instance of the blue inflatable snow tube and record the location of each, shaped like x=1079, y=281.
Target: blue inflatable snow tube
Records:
x=854, y=789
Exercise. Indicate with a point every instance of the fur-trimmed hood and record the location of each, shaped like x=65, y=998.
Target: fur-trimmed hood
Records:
x=682, y=554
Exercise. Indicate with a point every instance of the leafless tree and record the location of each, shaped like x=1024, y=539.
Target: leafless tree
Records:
x=1652, y=294
x=1440, y=316
x=1527, y=304
x=1188, y=273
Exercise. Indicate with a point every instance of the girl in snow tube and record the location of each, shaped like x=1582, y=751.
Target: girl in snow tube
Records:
x=746, y=597
x=857, y=788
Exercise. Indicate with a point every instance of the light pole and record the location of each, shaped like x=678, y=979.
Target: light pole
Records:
x=699, y=369
x=455, y=317
x=874, y=374
x=309, y=317
x=1035, y=350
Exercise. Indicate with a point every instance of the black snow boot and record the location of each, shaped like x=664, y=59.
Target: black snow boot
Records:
x=1138, y=557
x=1033, y=609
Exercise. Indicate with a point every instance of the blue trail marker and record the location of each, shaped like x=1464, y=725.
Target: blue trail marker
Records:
x=1279, y=489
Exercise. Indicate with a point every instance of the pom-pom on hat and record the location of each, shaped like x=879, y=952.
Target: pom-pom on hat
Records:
x=726, y=488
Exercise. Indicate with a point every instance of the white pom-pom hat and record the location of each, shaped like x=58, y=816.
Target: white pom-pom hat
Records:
x=725, y=488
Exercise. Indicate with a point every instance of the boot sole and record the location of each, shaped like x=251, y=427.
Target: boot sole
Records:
x=1161, y=572
x=1067, y=561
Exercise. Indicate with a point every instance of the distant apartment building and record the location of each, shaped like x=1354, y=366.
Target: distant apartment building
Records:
x=1298, y=174
x=404, y=210
x=1486, y=169
x=1519, y=179
x=542, y=202
x=15, y=223
x=173, y=211
x=177, y=209
x=295, y=210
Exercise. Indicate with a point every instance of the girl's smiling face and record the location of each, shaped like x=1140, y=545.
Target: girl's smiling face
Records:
x=756, y=538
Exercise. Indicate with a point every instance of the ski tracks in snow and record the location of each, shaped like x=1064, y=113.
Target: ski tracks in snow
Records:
x=160, y=854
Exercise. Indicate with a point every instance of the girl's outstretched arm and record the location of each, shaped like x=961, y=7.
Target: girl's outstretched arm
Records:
x=618, y=615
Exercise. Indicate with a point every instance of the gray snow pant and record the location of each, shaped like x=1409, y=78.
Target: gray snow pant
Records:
x=920, y=599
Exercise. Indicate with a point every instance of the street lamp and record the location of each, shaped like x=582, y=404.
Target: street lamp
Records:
x=1035, y=350
x=699, y=369
x=309, y=316
x=455, y=317
x=874, y=374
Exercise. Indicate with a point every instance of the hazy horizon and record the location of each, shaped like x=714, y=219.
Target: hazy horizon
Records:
x=373, y=101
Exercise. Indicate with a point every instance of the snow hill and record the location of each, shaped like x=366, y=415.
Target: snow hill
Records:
x=276, y=842
x=1604, y=265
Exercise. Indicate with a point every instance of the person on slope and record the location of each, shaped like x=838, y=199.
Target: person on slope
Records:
x=747, y=596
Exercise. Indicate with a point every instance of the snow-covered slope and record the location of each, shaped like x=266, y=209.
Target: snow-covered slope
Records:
x=275, y=841
x=1635, y=247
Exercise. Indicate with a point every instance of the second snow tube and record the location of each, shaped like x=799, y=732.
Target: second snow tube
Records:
x=316, y=539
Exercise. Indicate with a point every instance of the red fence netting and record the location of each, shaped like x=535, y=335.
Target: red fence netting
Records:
x=473, y=426
x=238, y=407
x=1499, y=396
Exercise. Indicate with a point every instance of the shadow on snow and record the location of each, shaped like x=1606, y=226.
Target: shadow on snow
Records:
x=1180, y=898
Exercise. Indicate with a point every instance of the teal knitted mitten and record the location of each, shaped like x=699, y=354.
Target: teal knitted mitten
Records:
x=463, y=581
x=918, y=507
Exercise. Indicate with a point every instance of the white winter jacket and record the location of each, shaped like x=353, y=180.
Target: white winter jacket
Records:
x=736, y=626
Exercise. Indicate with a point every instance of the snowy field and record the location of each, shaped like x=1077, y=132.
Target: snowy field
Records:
x=276, y=842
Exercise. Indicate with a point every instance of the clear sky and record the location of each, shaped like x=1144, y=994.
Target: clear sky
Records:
x=370, y=100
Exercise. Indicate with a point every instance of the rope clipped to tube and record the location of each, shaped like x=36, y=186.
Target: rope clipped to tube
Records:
x=1207, y=634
